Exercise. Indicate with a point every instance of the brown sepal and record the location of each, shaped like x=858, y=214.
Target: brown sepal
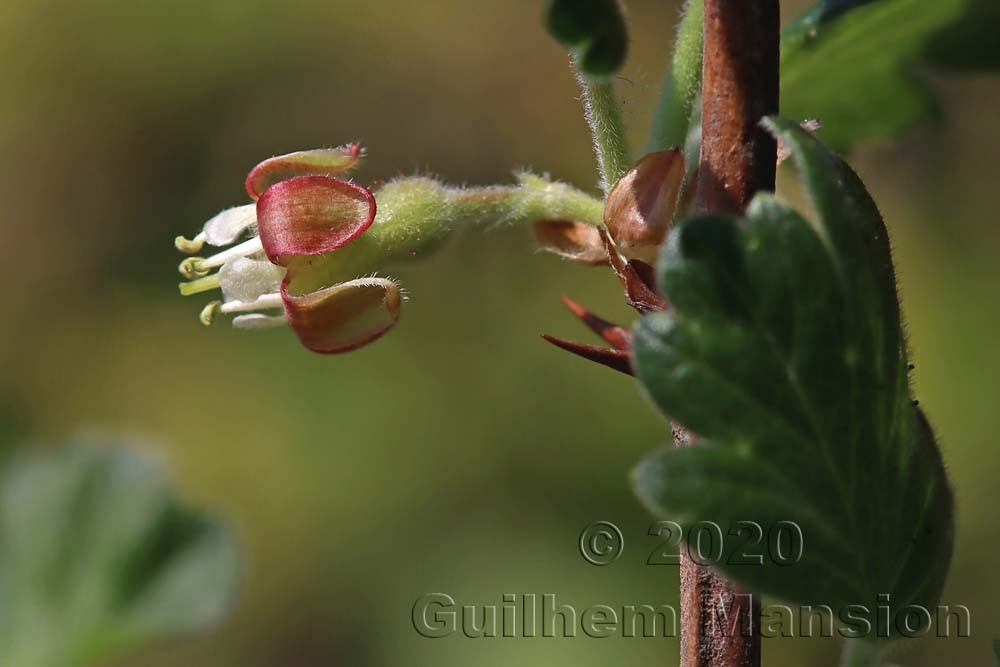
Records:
x=636, y=277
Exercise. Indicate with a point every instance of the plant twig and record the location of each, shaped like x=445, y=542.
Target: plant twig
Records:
x=739, y=87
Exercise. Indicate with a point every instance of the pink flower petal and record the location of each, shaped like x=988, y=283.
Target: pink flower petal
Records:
x=343, y=317
x=312, y=215
x=319, y=162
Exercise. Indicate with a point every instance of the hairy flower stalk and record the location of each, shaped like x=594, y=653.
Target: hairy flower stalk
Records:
x=307, y=252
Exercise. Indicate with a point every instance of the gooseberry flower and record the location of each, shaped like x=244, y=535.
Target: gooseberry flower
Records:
x=303, y=253
x=302, y=214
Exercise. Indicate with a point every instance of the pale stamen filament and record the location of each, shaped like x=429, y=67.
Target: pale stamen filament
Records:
x=263, y=302
x=248, y=247
x=200, y=285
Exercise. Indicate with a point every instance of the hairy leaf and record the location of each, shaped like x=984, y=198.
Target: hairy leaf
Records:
x=594, y=30
x=96, y=556
x=784, y=351
x=860, y=66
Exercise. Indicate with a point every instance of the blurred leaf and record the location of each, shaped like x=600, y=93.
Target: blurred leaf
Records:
x=594, y=30
x=860, y=72
x=96, y=556
x=996, y=650
x=784, y=350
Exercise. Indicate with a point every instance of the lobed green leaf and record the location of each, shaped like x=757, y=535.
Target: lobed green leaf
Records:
x=784, y=351
x=860, y=66
x=97, y=556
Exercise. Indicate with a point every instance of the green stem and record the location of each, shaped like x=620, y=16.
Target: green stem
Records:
x=862, y=653
x=604, y=117
x=682, y=82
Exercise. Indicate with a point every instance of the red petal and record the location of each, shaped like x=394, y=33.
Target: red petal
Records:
x=319, y=162
x=343, y=317
x=312, y=215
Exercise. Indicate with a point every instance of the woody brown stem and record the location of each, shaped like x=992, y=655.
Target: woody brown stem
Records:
x=719, y=622
x=740, y=86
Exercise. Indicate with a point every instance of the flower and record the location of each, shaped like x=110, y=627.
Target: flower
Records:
x=284, y=271
x=302, y=254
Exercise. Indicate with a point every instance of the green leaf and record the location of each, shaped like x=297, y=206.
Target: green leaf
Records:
x=593, y=30
x=97, y=556
x=784, y=351
x=996, y=650
x=859, y=67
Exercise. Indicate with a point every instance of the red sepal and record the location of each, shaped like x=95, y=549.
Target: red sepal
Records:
x=318, y=162
x=312, y=215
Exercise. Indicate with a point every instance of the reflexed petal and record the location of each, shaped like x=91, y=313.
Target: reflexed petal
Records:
x=245, y=279
x=227, y=226
x=577, y=241
x=319, y=162
x=344, y=317
x=640, y=207
x=312, y=215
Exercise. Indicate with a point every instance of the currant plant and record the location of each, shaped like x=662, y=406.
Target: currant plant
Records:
x=772, y=337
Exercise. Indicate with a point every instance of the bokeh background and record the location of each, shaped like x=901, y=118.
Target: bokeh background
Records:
x=459, y=454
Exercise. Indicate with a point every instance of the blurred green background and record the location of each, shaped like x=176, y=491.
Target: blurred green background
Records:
x=460, y=454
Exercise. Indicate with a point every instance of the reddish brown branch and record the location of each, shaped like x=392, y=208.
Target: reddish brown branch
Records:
x=739, y=87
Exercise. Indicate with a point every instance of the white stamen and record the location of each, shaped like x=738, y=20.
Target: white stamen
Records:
x=259, y=321
x=200, y=285
x=248, y=247
x=261, y=303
